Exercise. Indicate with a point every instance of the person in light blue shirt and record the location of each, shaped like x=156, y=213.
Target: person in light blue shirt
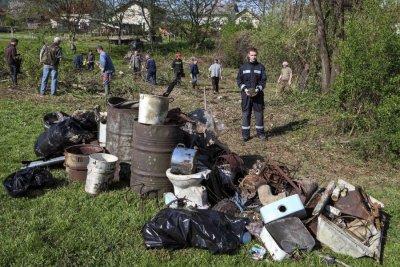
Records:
x=106, y=67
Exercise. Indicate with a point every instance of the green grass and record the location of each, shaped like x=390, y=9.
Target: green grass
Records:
x=65, y=226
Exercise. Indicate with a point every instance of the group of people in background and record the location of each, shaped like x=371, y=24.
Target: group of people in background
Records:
x=177, y=66
x=251, y=77
x=51, y=55
x=80, y=62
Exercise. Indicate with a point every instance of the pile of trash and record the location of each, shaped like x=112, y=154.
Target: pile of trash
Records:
x=60, y=132
x=213, y=200
x=268, y=201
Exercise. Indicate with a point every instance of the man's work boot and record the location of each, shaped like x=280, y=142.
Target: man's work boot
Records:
x=245, y=135
x=261, y=134
x=106, y=89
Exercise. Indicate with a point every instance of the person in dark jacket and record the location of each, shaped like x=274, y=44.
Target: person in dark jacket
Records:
x=251, y=80
x=12, y=60
x=90, y=60
x=177, y=67
x=151, y=70
x=194, y=71
x=78, y=62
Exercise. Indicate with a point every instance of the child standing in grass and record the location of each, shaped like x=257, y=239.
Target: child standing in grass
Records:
x=78, y=62
x=194, y=71
x=90, y=60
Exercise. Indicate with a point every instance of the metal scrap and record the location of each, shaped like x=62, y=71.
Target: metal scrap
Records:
x=353, y=204
x=249, y=185
x=324, y=198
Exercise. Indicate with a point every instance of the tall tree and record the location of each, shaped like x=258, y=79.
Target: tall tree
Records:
x=192, y=18
x=330, y=31
x=69, y=12
x=117, y=10
x=153, y=14
x=323, y=46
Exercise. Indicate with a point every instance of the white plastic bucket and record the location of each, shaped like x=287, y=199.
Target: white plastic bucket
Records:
x=102, y=161
x=100, y=172
x=153, y=109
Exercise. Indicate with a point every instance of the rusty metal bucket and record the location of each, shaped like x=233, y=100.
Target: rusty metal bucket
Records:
x=152, y=148
x=120, y=116
x=76, y=175
x=77, y=159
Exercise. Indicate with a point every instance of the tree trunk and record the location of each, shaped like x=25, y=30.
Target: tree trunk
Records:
x=119, y=33
x=323, y=47
x=339, y=35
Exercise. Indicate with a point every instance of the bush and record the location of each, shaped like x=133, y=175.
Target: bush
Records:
x=234, y=42
x=278, y=42
x=368, y=87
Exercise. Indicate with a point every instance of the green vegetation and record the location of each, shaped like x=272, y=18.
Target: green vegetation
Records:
x=352, y=132
x=365, y=94
x=368, y=88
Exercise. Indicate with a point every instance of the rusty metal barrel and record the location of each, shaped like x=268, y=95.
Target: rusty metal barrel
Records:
x=152, y=148
x=77, y=159
x=120, y=117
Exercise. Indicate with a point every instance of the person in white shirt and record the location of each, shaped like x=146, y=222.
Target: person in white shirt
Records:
x=215, y=71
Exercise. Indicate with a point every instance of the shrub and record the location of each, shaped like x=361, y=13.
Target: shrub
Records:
x=234, y=42
x=368, y=87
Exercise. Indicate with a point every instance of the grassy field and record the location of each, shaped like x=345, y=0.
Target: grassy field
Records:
x=64, y=226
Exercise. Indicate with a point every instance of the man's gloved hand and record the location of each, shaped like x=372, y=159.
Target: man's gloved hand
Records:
x=258, y=88
x=246, y=91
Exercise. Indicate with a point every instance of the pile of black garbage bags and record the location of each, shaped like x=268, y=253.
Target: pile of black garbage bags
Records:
x=63, y=130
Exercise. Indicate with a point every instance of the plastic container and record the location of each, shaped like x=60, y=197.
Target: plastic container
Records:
x=101, y=169
x=285, y=207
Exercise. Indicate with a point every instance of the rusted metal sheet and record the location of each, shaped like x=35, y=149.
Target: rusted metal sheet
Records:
x=351, y=187
x=353, y=204
x=152, y=148
x=120, y=117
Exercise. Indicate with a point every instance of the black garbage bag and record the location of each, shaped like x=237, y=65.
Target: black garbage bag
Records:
x=207, y=229
x=19, y=183
x=59, y=136
x=88, y=119
x=52, y=118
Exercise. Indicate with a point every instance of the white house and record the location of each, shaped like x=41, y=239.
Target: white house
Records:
x=133, y=16
x=82, y=20
x=245, y=16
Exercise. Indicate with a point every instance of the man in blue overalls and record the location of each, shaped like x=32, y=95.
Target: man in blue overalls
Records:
x=251, y=80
